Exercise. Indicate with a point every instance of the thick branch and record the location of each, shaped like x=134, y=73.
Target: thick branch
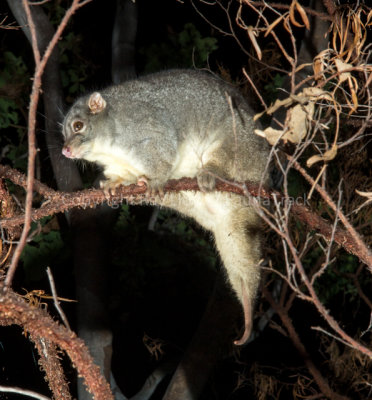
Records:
x=61, y=201
x=49, y=361
x=36, y=321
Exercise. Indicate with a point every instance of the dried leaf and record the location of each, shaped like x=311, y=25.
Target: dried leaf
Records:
x=342, y=66
x=302, y=12
x=278, y=103
x=287, y=25
x=298, y=122
x=354, y=97
x=318, y=64
x=314, y=93
x=327, y=156
x=308, y=94
x=272, y=26
x=292, y=15
x=270, y=134
x=368, y=195
x=302, y=66
x=364, y=194
x=295, y=5
x=252, y=36
x=369, y=18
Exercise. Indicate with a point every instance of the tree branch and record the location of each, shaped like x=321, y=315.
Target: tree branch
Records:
x=34, y=99
x=287, y=322
x=36, y=321
x=57, y=201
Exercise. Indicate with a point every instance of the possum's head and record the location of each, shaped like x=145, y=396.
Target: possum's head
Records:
x=82, y=124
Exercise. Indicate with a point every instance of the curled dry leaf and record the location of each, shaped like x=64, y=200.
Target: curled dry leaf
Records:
x=327, y=156
x=320, y=61
x=273, y=25
x=296, y=6
x=287, y=26
x=298, y=118
x=252, y=36
x=278, y=103
x=315, y=93
x=302, y=66
x=303, y=15
x=368, y=195
x=354, y=99
x=353, y=84
x=297, y=124
x=342, y=66
x=270, y=134
x=308, y=94
x=364, y=194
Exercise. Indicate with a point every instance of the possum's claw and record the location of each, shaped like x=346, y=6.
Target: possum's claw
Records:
x=153, y=190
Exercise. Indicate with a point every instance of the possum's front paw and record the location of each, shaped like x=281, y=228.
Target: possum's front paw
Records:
x=109, y=187
x=111, y=184
x=206, y=181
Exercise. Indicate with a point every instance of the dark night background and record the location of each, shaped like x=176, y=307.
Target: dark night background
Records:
x=160, y=280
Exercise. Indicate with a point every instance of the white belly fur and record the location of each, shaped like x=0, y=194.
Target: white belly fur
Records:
x=116, y=163
x=209, y=209
x=193, y=154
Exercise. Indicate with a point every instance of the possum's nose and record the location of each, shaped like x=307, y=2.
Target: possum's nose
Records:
x=66, y=151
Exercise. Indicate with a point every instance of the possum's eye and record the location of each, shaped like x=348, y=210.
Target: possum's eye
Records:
x=77, y=126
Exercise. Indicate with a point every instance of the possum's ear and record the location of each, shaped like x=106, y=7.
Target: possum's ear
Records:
x=96, y=103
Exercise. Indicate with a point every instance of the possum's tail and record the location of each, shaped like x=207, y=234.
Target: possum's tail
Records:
x=238, y=242
x=236, y=228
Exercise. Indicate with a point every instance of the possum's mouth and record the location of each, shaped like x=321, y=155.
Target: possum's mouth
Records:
x=66, y=151
x=69, y=152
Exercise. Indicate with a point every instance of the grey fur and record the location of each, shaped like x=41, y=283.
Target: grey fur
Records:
x=181, y=123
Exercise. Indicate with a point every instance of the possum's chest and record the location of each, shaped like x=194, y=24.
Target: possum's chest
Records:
x=115, y=161
x=193, y=154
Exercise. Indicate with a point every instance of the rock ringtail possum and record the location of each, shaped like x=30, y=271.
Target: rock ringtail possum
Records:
x=175, y=124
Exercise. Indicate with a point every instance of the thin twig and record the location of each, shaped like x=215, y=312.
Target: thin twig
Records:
x=280, y=6
x=359, y=243
x=35, y=93
x=55, y=298
x=318, y=304
x=34, y=98
x=318, y=377
x=24, y=392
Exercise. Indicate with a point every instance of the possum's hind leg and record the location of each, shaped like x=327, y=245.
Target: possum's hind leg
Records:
x=238, y=241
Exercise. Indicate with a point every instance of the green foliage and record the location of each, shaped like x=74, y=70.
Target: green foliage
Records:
x=184, y=49
x=8, y=113
x=14, y=69
x=124, y=218
x=73, y=71
x=271, y=89
x=17, y=154
x=336, y=280
x=45, y=247
x=297, y=186
x=55, y=12
x=14, y=77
